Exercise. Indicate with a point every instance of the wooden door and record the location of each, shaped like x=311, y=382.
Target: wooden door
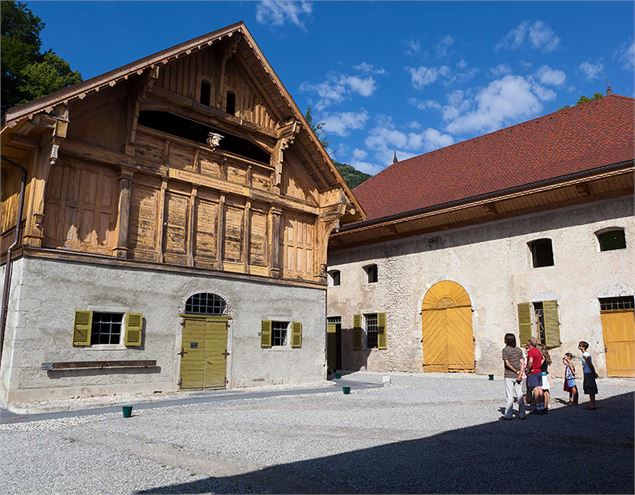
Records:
x=448, y=343
x=618, y=327
x=204, y=353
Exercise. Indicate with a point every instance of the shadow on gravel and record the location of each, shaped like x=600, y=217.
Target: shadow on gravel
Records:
x=570, y=450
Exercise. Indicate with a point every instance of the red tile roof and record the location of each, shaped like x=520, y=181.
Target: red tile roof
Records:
x=570, y=141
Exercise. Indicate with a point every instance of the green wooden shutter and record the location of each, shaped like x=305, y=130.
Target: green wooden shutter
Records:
x=382, y=338
x=357, y=332
x=552, y=324
x=134, y=329
x=82, y=328
x=265, y=333
x=524, y=323
x=296, y=334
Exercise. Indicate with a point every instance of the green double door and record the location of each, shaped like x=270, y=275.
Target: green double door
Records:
x=204, y=352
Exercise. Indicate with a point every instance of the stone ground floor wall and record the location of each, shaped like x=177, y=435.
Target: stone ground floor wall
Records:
x=46, y=293
x=493, y=264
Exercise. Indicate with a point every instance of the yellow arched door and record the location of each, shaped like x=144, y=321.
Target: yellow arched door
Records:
x=448, y=342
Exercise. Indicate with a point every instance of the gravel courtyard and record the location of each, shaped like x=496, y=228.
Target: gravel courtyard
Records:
x=420, y=434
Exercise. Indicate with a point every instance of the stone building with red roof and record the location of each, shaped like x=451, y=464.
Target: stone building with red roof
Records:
x=528, y=230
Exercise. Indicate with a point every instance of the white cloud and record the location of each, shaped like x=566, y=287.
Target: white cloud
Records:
x=626, y=56
x=423, y=76
x=461, y=64
x=537, y=35
x=551, y=77
x=385, y=139
x=503, y=101
x=340, y=123
x=500, y=70
x=337, y=87
x=370, y=69
x=279, y=12
x=367, y=167
x=359, y=154
x=442, y=48
x=425, y=104
x=413, y=47
x=590, y=70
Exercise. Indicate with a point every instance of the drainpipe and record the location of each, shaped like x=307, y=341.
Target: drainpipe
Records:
x=16, y=242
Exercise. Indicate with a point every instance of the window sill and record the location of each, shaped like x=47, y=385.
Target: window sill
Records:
x=107, y=347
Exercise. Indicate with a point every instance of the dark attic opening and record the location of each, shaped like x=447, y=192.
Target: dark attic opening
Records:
x=196, y=131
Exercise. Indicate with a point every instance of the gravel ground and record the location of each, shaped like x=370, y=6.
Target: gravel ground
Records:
x=421, y=434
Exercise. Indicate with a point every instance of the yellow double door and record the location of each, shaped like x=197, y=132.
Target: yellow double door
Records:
x=204, y=353
x=448, y=344
x=619, y=342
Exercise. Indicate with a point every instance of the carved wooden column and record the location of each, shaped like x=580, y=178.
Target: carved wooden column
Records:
x=161, y=221
x=275, y=215
x=191, y=226
x=123, y=213
x=247, y=234
x=220, y=233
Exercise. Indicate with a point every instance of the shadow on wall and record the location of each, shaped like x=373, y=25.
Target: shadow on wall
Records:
x=571, y=450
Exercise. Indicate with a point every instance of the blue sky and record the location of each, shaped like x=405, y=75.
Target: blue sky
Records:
x=408, y=77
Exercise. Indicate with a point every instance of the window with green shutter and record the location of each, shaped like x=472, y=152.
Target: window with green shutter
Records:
x=82, y=328
x=265, y=333
x=551, y=324
x=524, y=323
x=357, y=332
x=134, y=330
x=382, y=336
x=296, y=335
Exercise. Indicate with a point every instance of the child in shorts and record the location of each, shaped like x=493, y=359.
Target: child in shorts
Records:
x=569, y=379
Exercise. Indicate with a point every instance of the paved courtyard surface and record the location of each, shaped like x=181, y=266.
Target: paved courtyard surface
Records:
x=421, y=434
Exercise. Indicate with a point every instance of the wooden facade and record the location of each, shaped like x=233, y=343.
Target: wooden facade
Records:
x=194, y=157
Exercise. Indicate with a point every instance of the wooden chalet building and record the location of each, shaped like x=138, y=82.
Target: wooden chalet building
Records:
x=174, y=218
x=529, y=229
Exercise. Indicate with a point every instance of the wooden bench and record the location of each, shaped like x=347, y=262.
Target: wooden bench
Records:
x=76, y=365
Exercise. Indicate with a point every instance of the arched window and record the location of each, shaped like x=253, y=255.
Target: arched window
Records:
x=205, y=303
x=541, y=252
x=611, y=239
x=334, y=278
x=206, y=92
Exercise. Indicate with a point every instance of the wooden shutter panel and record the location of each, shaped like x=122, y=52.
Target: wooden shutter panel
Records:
x=296, y=334
x=265, y=333
x=134, y=329
x=82, y=328
x=382, y=338
x=357, y=321
x=331, y=328
x=524, y=323
x=552, y=324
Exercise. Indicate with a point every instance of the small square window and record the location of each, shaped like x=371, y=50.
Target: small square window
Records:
x=612, y=239
x=371, y=272
x=106, y=328
x=279, y=333
x=541, y=252
x=334, y=278
x=371, y=330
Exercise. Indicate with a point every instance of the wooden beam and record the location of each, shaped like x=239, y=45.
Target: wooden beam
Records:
x=123, y=214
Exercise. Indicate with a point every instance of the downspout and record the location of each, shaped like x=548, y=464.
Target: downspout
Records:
x=8, y=267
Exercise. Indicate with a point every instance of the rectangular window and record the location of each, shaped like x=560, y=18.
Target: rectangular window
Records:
x=539, y=320
x=371, y=330
x=371, y=272
x=106, y=328
x=279, y=333
x=616, y=303
x=334, y=278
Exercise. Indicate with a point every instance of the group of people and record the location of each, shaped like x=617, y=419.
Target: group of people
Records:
x=531, y=368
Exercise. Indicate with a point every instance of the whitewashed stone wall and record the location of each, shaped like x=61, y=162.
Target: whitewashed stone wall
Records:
x=46, y=293
x=493, y=263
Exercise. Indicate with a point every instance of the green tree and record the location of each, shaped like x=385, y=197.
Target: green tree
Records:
x=318, y=128
x=584, y=99
x=28, y=73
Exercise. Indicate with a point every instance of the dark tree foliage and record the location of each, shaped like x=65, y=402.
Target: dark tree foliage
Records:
x=28, y=73
x=351, y=175
x=584, y=99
